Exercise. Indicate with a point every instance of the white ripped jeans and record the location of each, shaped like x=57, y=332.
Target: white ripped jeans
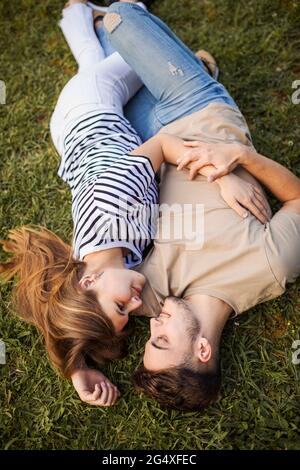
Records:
x=102, y=84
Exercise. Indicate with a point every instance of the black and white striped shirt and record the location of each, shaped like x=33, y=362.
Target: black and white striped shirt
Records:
x=114, y=194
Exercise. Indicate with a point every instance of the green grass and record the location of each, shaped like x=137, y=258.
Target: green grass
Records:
x=257, y=45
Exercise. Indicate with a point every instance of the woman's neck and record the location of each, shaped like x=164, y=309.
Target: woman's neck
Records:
x=113, y=257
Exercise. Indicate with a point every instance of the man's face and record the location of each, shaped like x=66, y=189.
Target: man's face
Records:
x=172, y=335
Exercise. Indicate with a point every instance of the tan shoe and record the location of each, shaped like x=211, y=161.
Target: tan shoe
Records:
x=210, y=63
x=72, y=2
x=100, y=9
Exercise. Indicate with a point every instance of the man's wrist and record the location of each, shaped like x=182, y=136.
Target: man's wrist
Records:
x=246, y=156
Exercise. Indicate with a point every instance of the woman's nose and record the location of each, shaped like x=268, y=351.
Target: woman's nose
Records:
x=134, y=303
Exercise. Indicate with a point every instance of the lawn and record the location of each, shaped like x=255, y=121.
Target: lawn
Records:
x=257, y=44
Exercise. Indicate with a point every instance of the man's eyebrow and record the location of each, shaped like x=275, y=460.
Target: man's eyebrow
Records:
x=157, y=347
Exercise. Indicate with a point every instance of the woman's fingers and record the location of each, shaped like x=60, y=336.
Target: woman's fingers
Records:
x=262, y=206
x=88, y=396
x=110, y=394
x=257, y=209
x=97, y=393
x=246, y=203
x=252, y=205
x=111, y=399
x=105, y=394
x=264, y=201
x=240, y=210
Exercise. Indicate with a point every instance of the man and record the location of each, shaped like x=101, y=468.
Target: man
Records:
x=241, y=263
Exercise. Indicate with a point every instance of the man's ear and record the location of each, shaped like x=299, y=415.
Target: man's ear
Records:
x=203, y=349
x=87, y=282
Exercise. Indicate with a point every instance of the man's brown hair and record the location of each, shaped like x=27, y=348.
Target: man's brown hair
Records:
x=180, y=387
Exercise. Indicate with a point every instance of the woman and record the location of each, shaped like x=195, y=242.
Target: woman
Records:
x=80, y=298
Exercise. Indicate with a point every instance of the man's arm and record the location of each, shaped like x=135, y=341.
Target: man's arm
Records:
x=226, y=157
x=279, y=180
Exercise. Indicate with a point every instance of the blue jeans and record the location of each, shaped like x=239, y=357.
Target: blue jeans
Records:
x=176, y=82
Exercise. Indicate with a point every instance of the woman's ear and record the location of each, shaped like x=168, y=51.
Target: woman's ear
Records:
x=203, y=349
x=87, y=282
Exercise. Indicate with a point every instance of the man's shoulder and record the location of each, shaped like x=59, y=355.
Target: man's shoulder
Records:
x=282, y=243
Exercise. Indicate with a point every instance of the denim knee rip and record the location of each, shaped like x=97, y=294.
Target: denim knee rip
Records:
x=112, y=21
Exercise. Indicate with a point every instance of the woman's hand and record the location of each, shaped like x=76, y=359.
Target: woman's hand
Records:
x=223, y=156
x=241, y=195
x=94, y=388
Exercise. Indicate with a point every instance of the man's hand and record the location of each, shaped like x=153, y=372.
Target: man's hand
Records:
x=94, y=388
x=241, y=195
x=223, y=156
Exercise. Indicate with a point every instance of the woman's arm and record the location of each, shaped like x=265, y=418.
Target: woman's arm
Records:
x=161, y=148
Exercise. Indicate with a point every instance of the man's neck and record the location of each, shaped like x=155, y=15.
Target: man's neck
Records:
x=212, y=314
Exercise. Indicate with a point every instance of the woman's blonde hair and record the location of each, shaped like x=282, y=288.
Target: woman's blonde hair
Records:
x=47, y=294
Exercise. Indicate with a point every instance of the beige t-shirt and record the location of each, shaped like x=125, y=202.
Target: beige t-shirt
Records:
x=239, y=261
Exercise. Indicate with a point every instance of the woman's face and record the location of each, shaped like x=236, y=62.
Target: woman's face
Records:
x=118, y=291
